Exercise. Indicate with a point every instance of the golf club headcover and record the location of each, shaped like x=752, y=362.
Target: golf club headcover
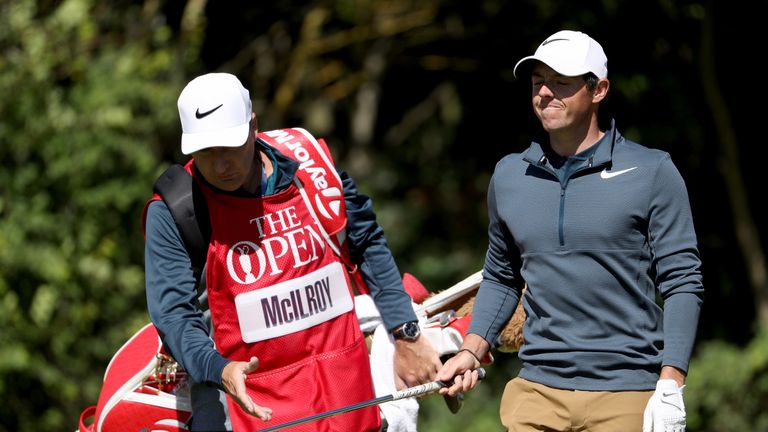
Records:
x=415, y=288
x=446, y=332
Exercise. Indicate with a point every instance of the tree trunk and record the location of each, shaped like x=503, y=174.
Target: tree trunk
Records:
x=747, y=234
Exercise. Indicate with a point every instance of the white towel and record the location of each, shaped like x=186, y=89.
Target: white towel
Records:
x=367, y=313
x=400, y=415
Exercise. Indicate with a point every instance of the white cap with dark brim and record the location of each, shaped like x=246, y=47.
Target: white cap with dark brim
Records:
x=570, y=53
x=215, y=111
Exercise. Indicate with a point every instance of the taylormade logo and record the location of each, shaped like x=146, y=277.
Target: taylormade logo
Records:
x=316, y=173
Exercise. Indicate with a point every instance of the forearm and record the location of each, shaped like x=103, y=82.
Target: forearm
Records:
x=172, y=300
x=186, y=339
x=681, y=316
x=476, y=345
x=673, y=373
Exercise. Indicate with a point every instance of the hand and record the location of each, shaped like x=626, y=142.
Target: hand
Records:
x=459, y=369
x=233, y=380
x=416, y=362
x=665, y=411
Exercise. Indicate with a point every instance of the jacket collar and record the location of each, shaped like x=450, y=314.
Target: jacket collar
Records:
x=284, y=167
x=602, y=155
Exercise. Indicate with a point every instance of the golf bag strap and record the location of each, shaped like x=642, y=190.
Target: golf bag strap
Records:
x=320, y=187
x=187, y=205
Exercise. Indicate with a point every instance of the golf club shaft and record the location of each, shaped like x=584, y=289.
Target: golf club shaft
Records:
x=401, y=394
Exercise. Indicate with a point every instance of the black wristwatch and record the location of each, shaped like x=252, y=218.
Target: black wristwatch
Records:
x=409, y=331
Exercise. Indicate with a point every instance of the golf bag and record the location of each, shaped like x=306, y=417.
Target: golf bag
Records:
x=143, y=389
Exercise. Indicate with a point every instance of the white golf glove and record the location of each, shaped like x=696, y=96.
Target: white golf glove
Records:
x=665, y=411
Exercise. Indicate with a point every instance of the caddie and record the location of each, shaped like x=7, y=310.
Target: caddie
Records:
x=284, y=342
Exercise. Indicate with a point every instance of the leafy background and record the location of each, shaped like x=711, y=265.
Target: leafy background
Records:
x=417, y=100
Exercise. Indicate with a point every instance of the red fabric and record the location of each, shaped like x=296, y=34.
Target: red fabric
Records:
x=131, y=416
x=258, y=243
x=415, y=288
x=87, y=413
x=316, y=173
x=129, y=361
x=323, y=185
x=133, y=362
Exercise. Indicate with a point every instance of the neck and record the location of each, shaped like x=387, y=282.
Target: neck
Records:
x=260, y=162
x=572, y=141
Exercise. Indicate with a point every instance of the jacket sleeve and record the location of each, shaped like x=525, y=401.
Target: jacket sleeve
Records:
x=370, y=251
x=677, y=263
x=172, y=299
x=501, y=286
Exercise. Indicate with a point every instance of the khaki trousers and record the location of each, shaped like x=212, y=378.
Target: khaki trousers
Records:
x=527, y=406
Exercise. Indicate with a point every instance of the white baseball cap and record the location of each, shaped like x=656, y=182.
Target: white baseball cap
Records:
x=570, y=53
x=215, y=111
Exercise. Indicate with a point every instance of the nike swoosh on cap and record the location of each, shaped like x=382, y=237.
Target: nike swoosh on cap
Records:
x=606, y=174
x=200, y=115
x=553, y=40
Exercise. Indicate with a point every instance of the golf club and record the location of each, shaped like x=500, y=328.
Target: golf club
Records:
x=401, y=394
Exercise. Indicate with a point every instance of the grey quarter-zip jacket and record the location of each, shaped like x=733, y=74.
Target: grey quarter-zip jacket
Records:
x=610, y=256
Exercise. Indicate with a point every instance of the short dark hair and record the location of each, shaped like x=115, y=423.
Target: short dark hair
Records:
x=591, y=80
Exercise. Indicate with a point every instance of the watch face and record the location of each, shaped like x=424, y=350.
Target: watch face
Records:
x=408, y=331
x=411, y=330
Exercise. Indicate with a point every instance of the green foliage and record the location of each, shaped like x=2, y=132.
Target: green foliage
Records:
x=81, y=115
x=727, y=389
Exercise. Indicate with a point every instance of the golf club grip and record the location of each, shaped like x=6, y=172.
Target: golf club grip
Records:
x=480, y=373
x=480, y=376
x=428, y=387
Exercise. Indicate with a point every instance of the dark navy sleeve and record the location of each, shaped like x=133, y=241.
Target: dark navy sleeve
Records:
x=369, y=249
x=498, y=294
x=172, y=298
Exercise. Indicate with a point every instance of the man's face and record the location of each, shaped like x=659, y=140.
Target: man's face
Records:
x=560, y=102
x=229, y=168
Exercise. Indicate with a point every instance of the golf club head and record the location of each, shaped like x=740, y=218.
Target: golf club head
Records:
x=454, y=402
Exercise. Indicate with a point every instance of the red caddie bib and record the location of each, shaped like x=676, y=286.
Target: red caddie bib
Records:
x=278, y=292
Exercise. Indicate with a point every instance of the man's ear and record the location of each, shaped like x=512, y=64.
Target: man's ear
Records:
x=254, y=123
x=601, y=91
